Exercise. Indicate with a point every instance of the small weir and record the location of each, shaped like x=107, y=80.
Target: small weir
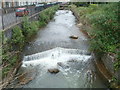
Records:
x=56, y=57
x=70, y=63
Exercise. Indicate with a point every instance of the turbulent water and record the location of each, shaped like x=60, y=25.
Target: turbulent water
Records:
x=52, y=48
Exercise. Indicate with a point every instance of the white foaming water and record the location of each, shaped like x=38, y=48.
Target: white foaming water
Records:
x=51, y=58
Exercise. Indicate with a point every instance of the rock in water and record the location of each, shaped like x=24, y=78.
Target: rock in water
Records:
x=26, y=80
x=60, y=64
x=74, y=37
x=53, y=71
x=79, y=25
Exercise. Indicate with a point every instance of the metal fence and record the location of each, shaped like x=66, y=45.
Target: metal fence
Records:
x=8, y=19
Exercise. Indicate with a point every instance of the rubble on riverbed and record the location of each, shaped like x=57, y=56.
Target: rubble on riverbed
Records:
x=53, y=71
x=73, y=37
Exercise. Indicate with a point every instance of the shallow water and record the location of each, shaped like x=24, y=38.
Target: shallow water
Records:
x=52, y=48
x=56, y=34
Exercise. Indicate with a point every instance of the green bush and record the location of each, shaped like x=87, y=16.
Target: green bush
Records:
x=46, y=15
x=106, y=28
x=13, y=60
x=1, y=34
x=104, y=21
x=33, y=27
x=43, y=17
x=29, y=28
x=26, y=27
x=41, y=24
x=17, y=37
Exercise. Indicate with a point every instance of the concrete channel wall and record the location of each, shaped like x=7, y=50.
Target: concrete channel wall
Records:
x=109, y=61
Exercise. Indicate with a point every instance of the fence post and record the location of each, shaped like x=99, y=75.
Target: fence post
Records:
x=15, y=14
x=2, y=20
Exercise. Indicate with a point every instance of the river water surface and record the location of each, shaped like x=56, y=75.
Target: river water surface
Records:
x=52, y=48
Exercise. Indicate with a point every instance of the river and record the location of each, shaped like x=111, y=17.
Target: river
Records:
x=52, y=48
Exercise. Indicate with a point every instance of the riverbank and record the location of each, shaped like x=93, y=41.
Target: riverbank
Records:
x=12, y=48
x=92, y=24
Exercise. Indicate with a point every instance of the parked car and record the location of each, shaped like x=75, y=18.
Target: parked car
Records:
x=39, y=7
x=20, y=12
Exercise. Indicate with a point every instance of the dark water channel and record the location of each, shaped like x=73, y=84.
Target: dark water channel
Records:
x=52, y=48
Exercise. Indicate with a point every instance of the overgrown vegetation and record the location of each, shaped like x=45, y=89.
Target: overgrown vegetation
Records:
x=29, y=28
x=46, y=15
x=20, y=35
x=105, y=28
x=10, y=48
x=103, y=19
x=19, y=41
x=9, y=56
